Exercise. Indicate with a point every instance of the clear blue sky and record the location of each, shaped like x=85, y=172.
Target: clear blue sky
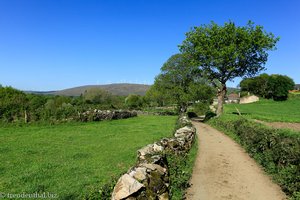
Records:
x=57, y=44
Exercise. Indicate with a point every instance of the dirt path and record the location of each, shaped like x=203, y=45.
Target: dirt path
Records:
x=286, y=125
x=224, y=171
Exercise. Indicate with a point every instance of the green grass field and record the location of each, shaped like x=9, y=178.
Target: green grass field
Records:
x=268, y=110
x=74, y=160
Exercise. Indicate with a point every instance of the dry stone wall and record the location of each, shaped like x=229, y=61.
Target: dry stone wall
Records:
x=149, y=178
x=99, y=115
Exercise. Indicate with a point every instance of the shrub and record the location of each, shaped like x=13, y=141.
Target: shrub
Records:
x=201, y=108
x=134, y=101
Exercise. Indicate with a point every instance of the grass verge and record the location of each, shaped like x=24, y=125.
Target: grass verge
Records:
x=180, y=169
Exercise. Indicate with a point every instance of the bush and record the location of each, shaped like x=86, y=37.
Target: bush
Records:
x=201, y=108
x=134, y=101
x=278, y=151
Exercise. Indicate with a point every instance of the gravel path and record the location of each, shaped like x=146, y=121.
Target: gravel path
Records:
x=224, y=171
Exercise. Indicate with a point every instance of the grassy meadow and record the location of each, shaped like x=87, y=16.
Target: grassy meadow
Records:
x=268, y=110
x=74, y=160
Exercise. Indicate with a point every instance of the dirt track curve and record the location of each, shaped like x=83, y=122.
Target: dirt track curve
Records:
x=224, y=171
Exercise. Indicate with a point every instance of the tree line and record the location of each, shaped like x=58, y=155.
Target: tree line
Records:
x=17, y=106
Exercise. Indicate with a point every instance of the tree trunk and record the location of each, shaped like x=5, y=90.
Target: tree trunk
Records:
x=221, y=97
x=183, y=108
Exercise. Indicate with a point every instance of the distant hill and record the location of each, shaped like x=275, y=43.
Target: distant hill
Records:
x=122, y=89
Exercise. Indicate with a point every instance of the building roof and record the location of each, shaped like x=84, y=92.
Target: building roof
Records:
x=233, y=96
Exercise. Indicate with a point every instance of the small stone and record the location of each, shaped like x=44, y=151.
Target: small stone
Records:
x=154, y=167
x=157, y=148
x=125, y=187
x=140, y=174
x=156, y=158
x=149, y=166
x=145, y=150
x=164, y=196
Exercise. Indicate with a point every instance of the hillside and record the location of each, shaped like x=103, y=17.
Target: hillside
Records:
x=122, y=89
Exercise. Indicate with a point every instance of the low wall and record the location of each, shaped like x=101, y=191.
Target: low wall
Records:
x=149, y=178
x=249, y=99
x=99, y=115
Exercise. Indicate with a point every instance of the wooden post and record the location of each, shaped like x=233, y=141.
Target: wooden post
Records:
x=238, y=111
x=25, y=116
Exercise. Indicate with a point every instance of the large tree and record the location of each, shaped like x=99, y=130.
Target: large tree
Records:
x=258, y=85
x=274, y=86
x=178, y=81
x=279, y=86
x=223, y=53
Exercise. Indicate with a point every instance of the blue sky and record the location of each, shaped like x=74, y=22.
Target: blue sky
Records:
x=57, y=44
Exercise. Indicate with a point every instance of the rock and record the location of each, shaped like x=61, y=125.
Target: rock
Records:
x=149, y=149
x=156, y=183
x=156, y=159
x=164, y=196
x=139, y=173
x=125, y=187
x=131, y=198
x=184, y=120
x=157, y=148
x=182, y=132
x=144, y=151
x=154, y=167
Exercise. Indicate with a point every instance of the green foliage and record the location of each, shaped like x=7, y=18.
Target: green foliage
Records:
x=280, y=86
x=156, y=96
x=16, y=106
x=74, y=160
x=179, y=82
x=278, y=151
x=268, y=110
x=13, y=104
x=201, y=108
x=268, y=86
x=134, y=101
x=97, y=96
x=180, y=170
x=258, y=85
x=226, y=52
x=161, y=110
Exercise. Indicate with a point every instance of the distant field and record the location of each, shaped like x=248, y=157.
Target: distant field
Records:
x=268, y=110
x=74, y=160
